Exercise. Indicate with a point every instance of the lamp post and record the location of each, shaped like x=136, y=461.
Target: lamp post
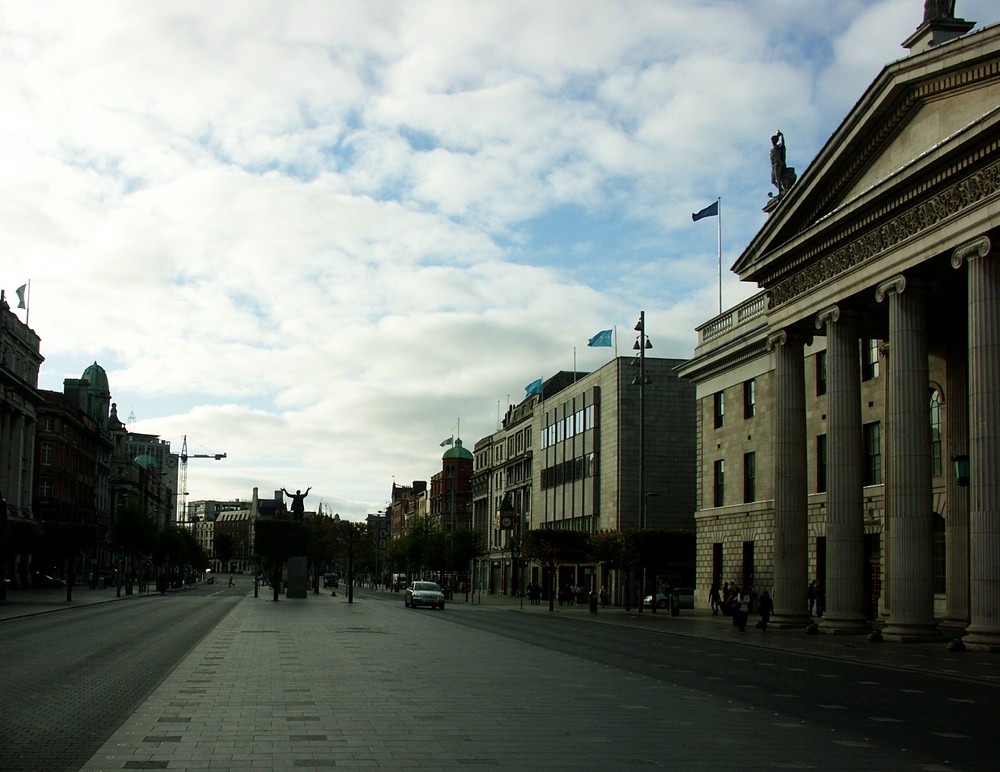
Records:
x=641, y=380
x=505, y=516
x=350, y=555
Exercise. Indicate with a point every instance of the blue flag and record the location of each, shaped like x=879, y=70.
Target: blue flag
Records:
x=20, y=295
x=603, y=338
x=535, y=387
x=712, y=210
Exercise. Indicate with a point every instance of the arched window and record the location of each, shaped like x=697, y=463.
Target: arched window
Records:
x=936, y=402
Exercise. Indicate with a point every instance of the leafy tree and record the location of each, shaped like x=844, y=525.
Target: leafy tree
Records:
x=224, y=545
x=551, y=547
x=278, y=539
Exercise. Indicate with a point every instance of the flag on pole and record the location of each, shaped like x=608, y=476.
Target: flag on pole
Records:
x=712, y=210
x=603, y=338
x=449, y=441
x=535, y=387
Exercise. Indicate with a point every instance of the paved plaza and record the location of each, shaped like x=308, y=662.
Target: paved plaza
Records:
x=320, y=683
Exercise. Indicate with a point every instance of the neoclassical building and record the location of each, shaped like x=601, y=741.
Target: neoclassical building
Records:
x=866, y=374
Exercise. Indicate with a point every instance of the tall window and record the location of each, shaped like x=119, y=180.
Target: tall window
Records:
x=821, y=464
x=873, y=453
x=749, y=477
x=869, y=359
x=821, y=373
x=936, y=402
x=750, y=398
x=45, y=454
x=719, y=408
x=720, y=483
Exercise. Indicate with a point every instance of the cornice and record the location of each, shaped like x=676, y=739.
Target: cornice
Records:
x=911, y=222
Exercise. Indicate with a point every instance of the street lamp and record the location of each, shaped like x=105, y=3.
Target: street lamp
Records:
x=350, y=556
x=505, y=515
x=642, y=380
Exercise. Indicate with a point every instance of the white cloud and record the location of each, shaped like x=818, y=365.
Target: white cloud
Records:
x=317, y=235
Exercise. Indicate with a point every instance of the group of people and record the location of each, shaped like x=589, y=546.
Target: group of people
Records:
x=739, y=604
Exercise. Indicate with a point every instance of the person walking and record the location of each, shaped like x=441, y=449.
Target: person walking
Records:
x=714, y=599
x=740, y=613
x=811, y=595
x=765, y=606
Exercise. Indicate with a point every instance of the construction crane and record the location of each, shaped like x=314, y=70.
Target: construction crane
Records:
x=184, y=469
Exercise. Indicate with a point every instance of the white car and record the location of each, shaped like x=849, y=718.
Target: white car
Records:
x=424, y=594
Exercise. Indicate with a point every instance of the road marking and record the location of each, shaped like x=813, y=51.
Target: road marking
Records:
x=885, y=720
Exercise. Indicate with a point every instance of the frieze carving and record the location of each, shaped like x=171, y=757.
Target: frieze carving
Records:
x=906, y=225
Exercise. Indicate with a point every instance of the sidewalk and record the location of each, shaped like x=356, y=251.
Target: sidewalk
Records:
x=23, y=603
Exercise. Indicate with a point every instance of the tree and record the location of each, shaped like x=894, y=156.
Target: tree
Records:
x=551, y=548
x=224, y=546
x=276, y=540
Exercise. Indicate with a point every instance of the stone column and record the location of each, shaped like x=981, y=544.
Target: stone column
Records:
x=845, y=608
x=956, y=404
x=790, y=499
x=908, y=492
x=984, y=443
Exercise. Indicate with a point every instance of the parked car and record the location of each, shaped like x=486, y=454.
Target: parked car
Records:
x=45, y=581
x=424, y=594
x=331, y=580
x=685, y=598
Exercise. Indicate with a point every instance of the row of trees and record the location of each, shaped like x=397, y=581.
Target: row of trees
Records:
x=659, y=551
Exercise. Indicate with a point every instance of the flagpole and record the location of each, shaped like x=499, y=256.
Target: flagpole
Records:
x=719, y=201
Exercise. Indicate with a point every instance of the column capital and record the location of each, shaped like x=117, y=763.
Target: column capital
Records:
x=833, y=314
x=896, y=285
x=978, y=247
x=786, y=336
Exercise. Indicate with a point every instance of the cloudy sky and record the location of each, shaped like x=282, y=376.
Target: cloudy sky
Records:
x=316, y=236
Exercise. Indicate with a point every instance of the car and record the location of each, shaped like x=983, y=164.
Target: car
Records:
x=44, y=581
x=424, y=594
x=685, y=598
x=331, y=580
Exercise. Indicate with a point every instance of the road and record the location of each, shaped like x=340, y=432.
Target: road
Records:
x=70, y=678
x=320, y=683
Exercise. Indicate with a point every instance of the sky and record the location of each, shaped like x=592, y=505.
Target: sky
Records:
x=322, y=237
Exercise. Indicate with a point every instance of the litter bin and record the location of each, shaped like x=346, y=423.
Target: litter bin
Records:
x=593, y=602
x=675, y=604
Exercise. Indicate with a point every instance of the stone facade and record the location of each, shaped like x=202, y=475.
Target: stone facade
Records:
x=873, y=350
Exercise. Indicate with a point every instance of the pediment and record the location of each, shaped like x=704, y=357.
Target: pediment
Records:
x=915, y=126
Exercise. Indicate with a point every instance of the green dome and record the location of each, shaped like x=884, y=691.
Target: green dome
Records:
x=457, y=451
x=146, y=462
x=97, y=378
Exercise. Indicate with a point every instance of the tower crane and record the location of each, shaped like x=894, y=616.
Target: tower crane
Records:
x=184, y=468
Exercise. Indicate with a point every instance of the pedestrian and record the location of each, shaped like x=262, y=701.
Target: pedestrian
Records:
x=820, y=600
x=230, y=580
x=811, y=595
x=764, y=606
x=714, y=599
x=604, y=597
x=740, y=613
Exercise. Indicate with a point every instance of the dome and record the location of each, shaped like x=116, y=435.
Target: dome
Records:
x=146, y=462
x=457, y=451
x=97, y=378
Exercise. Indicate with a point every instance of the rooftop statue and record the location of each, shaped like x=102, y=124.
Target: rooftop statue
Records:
x=782, y=175
x=298, y=506
x=939, y=9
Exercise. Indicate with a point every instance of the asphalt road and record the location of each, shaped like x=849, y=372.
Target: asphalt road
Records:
x=70, y=678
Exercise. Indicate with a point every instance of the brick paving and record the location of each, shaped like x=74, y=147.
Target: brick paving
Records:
x=320, y=684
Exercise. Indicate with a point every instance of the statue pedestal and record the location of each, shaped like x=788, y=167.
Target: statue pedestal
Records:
x=298, y=577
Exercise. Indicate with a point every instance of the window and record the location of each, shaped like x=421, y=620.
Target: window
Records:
x=821, y=464
x=749, y=398
x=719, y=408
x=869, y=359
x=45, y=490
x=45, y=454
x=821, y=373
x=873, y=454
x=720, y=483
x=749, y=477
x=936, y=402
